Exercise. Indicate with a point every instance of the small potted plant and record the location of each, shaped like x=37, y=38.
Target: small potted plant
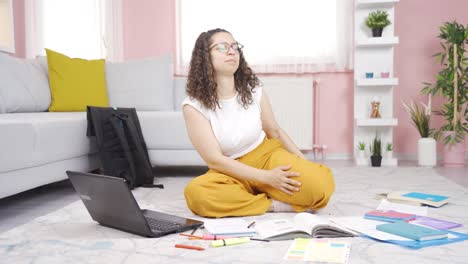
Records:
x=377, y=21
x=362, y=149
x=389, y=152
x=376, y=151
x=421, y=117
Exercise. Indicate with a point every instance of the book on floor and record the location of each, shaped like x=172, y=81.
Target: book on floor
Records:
x=412, y=231
x=418, y=197
x=433, y=222
x=304, y=225
x=388, y=215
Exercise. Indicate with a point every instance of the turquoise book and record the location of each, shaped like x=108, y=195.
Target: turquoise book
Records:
x=411, y=231
x=418, y=197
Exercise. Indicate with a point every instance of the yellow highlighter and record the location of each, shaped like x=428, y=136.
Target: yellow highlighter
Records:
x=229, y=241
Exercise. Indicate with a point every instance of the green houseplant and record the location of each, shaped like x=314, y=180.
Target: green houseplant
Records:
x=377, y=21
x=362, y=148
x=361, y=145
x=421, y=117
x=376, y=152
x=452, y=84
x=389, y=150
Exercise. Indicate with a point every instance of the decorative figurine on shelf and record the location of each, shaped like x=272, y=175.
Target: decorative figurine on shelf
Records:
x=375, y=108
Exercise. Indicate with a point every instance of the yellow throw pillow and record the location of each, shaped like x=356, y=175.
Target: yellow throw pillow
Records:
x=76, y=83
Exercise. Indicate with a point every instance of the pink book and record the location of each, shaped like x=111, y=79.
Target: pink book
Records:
x=388, y=215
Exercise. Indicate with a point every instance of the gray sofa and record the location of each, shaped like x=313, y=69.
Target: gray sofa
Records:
x=36, y=146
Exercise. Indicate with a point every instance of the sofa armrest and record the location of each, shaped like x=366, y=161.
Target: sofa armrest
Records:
x=16, y=136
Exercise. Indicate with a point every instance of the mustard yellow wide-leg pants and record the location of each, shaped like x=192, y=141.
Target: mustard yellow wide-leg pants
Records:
x=215, y=194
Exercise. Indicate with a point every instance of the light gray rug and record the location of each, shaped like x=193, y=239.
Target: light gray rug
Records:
x=70, y=236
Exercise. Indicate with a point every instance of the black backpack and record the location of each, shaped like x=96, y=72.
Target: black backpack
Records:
x=122, y=148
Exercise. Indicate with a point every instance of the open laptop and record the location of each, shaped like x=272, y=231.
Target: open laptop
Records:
x=110, y=203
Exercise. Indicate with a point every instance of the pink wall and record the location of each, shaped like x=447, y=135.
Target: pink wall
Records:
x=148, y=28
x=417, y=24
x=335, y=116
x=18, y=20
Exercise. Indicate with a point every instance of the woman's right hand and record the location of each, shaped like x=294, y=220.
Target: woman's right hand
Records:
x=279, y=178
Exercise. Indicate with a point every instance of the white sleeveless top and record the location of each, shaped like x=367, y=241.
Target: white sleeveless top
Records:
x=238, y=130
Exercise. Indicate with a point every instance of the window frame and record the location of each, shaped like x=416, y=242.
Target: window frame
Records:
x=10, y=45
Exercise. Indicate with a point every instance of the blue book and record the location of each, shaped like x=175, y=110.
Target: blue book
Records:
x=419, y=197
x=426, y=196
x=415, y=232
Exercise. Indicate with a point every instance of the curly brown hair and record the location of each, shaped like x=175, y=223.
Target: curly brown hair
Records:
x=201, y=81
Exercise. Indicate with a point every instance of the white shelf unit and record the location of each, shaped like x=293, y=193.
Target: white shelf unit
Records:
x=376, y=122
x=377, y=42
x=377, y=82
x=377, y=3
x=373, y=54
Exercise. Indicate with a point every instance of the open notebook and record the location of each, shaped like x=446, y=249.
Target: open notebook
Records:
x=304, y=225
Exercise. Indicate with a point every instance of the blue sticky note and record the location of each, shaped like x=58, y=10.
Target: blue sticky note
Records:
x=337, y=245
x=426, y=196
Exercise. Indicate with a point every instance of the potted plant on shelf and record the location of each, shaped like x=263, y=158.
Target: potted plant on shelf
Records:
x=389, y=152
x=376, y=151
x=421, y=118
x=362, y=150
x=452, y=83
x=377, y=21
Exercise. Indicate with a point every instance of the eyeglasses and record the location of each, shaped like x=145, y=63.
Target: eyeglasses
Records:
x=223, y=47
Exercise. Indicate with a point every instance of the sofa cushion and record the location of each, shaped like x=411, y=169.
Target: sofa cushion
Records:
x=24, y=86
x=76, y=83
x=143, y=84
x=34, y=139
x=164, y=130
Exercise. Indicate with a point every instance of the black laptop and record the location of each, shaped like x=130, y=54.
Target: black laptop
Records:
x=110, y=203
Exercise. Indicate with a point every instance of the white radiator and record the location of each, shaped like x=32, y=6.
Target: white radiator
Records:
x=292, y=102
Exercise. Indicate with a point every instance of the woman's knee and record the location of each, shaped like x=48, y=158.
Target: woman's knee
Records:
x=318, y=188
x=328, y=182
x=194, y=195
x=327, y=188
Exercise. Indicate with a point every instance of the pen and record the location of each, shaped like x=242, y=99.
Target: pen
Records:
x=258, y=239
x=188, y=247
x=194, y=230
x=251, y=224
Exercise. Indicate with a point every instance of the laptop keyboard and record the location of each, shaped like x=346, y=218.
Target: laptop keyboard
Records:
x=161, y=225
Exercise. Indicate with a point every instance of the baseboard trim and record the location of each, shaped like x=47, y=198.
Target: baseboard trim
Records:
x=347, y=156
x=333, y=156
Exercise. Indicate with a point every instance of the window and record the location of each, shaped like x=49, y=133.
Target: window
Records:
x=279, y=35
x=88, y=29
x=7, y=33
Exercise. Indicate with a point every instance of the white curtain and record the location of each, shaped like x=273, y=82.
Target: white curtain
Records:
x=113, y=30
x=280, y=36
x=88, y=29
